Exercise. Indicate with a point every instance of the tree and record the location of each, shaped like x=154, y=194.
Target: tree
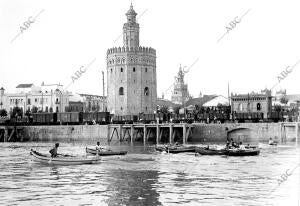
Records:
x=17, y=112
x=283, y=100
x=3, y=113
x=176, y=109
x=34, y=109
x=277, y=108
x=28, y=112
x=164, y=109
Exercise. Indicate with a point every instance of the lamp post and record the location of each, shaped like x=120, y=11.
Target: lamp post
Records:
x=1, y=93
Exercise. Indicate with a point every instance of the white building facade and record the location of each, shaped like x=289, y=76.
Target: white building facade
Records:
x=46, y=98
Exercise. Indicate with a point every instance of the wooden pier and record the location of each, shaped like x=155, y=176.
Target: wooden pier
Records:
x=283, y=128
x=11, y=133
x=155, y=132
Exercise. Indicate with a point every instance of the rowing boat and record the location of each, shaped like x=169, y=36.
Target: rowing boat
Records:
x=175, y=149
x=239, y=152
x=104, y=152
x=207, y=151
x=228, y=152
x=47, y=159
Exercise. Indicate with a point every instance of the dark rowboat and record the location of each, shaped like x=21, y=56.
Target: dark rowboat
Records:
x=273, y=144
x=230, y=152
x=47, y=159
x=177, y=149
x=104, y=152
x=206, y=151
x=246, y=152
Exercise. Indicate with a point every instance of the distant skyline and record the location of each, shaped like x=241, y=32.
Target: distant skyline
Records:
x=55, y=39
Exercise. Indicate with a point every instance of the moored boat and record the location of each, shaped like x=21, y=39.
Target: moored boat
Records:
x=273, y=144
x=47, y=159
x=175, y=149
x=104, y=152
x=207, y=151
x=228, y=152
x=239, y=152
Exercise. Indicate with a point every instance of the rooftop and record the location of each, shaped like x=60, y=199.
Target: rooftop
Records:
x=24, y=86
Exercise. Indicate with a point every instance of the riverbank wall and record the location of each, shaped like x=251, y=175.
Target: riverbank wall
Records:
x=65, y=133
x=245, y=132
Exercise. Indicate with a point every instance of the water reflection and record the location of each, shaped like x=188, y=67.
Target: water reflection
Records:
x=133, y=188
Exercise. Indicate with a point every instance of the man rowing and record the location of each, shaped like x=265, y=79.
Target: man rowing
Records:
x=53, y=151
x=98, y=146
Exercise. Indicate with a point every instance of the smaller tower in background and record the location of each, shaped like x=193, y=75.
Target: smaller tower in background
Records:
x=180, y=94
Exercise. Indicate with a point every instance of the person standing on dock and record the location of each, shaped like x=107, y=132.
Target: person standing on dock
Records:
x=53, y=151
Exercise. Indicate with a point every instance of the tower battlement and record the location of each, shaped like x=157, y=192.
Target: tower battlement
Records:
x=131, y=49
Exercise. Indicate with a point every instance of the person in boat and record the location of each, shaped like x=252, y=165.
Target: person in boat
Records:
x=53, y=151
x=98, y=146
x=232, y=144
x=227, y=144
x=241, y=146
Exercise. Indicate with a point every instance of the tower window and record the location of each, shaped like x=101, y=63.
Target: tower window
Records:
x=146, y=91
x=121, y=91
x=133, y=69
x=146, y=69
x=121, y=69
x=258, y=106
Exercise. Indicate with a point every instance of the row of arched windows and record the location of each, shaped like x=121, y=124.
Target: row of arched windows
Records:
x=146, y=91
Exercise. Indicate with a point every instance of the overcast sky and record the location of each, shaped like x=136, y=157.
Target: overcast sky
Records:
x=69, y=34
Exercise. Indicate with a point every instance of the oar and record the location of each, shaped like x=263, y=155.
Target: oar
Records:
x=66, y=155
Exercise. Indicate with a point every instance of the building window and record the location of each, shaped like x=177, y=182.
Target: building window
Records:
x=35, y=100
x=146, y=69
x=258, y=106
x=146, y=108
x=134, y=81
x=121, y=69
x=240, y=107
x=110, y=70
x=121, y=91
x=29, y=101
x=146, y=91
x=121, y=108
x=133, y=69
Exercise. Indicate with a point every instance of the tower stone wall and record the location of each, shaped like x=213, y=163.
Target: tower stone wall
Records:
x=131, y=73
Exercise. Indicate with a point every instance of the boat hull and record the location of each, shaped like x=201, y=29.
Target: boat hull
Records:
x=46, y=159
x=205, y=151
x=104, y=153
x=175, y=150
x=242, y=152
x=230, y=152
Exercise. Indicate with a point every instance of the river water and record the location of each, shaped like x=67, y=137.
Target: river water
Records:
x=147, y=177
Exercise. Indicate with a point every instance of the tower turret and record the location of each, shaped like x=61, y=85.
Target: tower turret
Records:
x=131, y=29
